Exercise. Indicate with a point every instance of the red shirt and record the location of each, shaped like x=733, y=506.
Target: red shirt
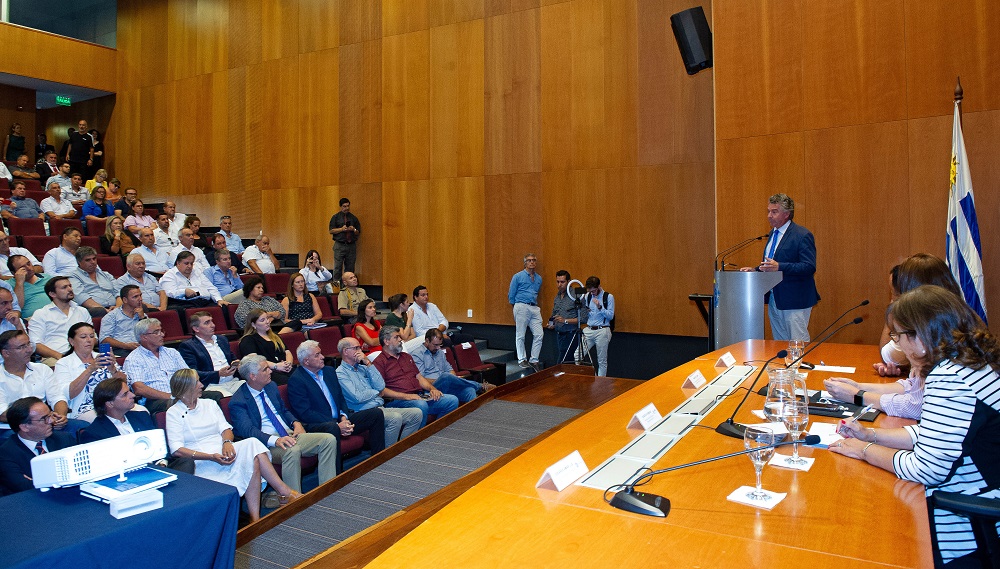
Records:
x=399, y=373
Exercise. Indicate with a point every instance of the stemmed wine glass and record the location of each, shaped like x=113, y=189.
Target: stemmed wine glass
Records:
x=795, y=416
x=795, y=350
x=757, y=438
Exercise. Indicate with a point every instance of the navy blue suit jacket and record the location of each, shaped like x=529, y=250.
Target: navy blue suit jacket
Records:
x=15, y=461
x=102, y=427
x=246, y=418
x=796, y=257
x=307, y=399
x=196, y=356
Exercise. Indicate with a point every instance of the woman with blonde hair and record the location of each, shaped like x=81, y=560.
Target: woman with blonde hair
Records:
x=116, y=241
x=100, y=180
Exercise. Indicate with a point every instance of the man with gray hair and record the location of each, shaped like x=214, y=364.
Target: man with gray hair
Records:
x=150, y=366
x=94, y=288
x=153, y=296
x=790, y=249
x=523, y=296
x=404, y=386
x=363, y=385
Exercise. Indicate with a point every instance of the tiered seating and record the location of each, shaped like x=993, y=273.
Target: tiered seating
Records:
x=57, y=226
x=467, y=357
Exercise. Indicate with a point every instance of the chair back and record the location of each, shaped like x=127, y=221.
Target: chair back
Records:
x=327, y=338
x=276, y=283
x=57, y=226
x=467, y=357
x=173, y=330
x=221, y=324
x=982, y=513
x=25, y=227
x=39, y=245
x=112, y=264
x=292, y=341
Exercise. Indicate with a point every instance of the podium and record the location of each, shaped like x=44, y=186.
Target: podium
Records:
x=739, y=305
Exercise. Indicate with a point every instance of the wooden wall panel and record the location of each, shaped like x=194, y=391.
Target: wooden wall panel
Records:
x=305, y=207
x=360, y=21
x=513, y=231
x=513, y=93
x=282, y=36
x=929, y=162
x=445, y=12
x=949, y=39
x=361, y=112
x=557, y=95
x=17, y=105
x=620, y=83
x=758, y=80
x=456, y=100
x=404, y=16
x=33, y=53
x=280, y=94
x=245, y=47
x=319, y=25
x=318, y=143
x=406, y=106
x=500, y=7
x=366, y=203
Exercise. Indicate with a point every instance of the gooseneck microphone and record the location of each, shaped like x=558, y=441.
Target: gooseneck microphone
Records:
x=812, y=347
x=723, y=254
x=846, y=312
x=653, y=505
x=731, y=428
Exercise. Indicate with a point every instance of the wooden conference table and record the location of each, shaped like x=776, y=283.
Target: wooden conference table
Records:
x=842, y=512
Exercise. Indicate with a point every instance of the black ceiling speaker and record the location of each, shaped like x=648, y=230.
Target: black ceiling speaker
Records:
x=693, y=38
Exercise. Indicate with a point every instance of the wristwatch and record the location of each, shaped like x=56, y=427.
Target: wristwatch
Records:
x=859, y=397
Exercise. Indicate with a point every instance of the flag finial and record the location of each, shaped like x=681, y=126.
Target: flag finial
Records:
x=958, y=90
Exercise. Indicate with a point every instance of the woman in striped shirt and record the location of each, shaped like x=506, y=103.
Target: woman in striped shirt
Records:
x=951, y=448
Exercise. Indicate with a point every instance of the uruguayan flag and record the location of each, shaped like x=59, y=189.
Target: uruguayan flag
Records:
x=965, y=253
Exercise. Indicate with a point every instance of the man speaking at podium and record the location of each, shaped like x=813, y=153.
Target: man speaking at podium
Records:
x=790, y=249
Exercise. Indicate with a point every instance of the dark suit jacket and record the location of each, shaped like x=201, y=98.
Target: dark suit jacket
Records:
x=307, y=399
x=44, y=172
x=103, y=428
x=15, y=461
x=246, y=418
x=796, y=257
x=196, y=356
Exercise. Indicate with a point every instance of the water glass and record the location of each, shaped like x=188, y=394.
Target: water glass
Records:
x=758, y=438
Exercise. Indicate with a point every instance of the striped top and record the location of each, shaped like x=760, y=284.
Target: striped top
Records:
x=950, y=396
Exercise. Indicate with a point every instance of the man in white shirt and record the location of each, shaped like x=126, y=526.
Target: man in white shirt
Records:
x=259, y=258
x=62, y=177
x=150, y=366
x=6, y=252
x=49, y=325
x=76, y=193
x=187, y=288
x=153, y=297
x=165, y=238
x=176, y=219
x=10, y=319
x=54, y=206
x=210, y=356
x=157, y=258
x=186, y=237
x=118, y=327
x=426, y=314
x=62, y=259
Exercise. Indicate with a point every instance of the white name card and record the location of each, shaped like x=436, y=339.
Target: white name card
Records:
x=647, y=418
x=727, y=360
x=563, y=473
x=695, y=380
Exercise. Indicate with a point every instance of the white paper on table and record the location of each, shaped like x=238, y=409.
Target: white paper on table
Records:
x=759, y=413
x=697, y=406
x=743, y=371
x=648, y=447
x=617, y=470
x=740, y=497
x=714, y=391
x=827, y=433
x=673, y=425
x=835, y=369
x=779, y=460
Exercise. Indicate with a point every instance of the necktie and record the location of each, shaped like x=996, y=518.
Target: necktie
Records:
x=333, y=404
x=774, y=244
x=39, y=449
x=272, y=417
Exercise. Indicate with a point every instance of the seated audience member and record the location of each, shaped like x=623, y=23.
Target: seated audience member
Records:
x=114, y=195
x=118, y=327
x=210, y=355
x=98, y=209
x=317, y=276
x=401, y=316
x=48, y=167
x=6, y=252
x=49, y=325
x=55, y=207
x=32, y=421
x=150, y=366
x=366, y=326
x=904, y=397
x=114, y=404
x=188, y=288
x=233, y=241
x=61, y=177
x=300, y=305
x=82, y=369
x=432, y=364
x=259, y=338
x=137, y=219
x=116, y=241
x=23, y=169
x=197, y=429
x=99, y=180
x=953, y=448
x=186, y=237
x=165, y=238
x=404, y=386
x=259, y=258
x=157, y=259
x=253, y=291
x=218, y=245
x=350, y=296
x=193, y=223
x=123, y=207
x=76, y=193
x=224, y=277
x=363, y=386
x=93, y=287
x=153, y=296
x=258, y=412
x=427, y=315
x=29, y=286
x=315, y=397
x=20, y=206
x=10, y=318
x=5, y=173
x=176, y=219
x=62, y=259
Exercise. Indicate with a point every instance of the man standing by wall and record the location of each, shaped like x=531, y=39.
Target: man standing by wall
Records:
x=565, y=319
x=345, y=228
x=523, y=296
x=600, y=314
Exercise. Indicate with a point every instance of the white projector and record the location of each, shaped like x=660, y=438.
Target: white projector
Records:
x=99, y=459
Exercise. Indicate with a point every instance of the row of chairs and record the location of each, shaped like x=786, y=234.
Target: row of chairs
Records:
x=29, y=185
x=35, y=227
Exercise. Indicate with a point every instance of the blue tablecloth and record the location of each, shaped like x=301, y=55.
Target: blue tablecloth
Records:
x=196, y=528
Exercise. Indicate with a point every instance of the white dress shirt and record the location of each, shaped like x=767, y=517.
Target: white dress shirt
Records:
x=174, y=282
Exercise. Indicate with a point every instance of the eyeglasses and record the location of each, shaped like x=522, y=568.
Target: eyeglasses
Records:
x=895, y=336
x=154, y=333
x=43, y=419
x=349, y=348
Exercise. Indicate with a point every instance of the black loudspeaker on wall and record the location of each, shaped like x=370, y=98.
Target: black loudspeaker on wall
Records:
x=693, y=38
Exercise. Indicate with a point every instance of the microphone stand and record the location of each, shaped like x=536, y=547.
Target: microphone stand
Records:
x=857, y=320
x=729, y=427
x=846, y=312
x=735, y=248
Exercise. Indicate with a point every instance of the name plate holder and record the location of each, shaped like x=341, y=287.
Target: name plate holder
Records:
x=563, y=473
x=646, y=418
x=694, y=381
x=727, y=360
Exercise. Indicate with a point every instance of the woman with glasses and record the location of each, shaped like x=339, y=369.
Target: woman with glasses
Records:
x=953, y=448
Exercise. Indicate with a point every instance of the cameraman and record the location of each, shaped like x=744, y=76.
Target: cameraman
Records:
x=564, y=319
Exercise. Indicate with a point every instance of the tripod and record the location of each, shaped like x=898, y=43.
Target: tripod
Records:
x=582, y=356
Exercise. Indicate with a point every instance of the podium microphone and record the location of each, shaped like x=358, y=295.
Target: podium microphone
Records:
x=857, y=320
x=653, y=505
x=735, y=248
x=731, y=428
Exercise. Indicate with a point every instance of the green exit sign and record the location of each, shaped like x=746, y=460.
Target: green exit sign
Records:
x=63, y=100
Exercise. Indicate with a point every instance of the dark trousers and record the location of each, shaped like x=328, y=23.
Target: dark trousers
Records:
x=371, y=420
x=344, y=256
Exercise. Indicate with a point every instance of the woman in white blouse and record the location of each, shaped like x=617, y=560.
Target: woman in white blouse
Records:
x=81, y=369
x=317, y=276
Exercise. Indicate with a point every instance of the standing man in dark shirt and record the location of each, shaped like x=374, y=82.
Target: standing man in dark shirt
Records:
x=345, y=228
x=43, y=147
x=565, y=319
x=80, y=153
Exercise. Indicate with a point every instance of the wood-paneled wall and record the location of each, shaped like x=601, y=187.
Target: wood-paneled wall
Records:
x=465, y=132
x=846, y=105
x=33, y=53
x=17, y=105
